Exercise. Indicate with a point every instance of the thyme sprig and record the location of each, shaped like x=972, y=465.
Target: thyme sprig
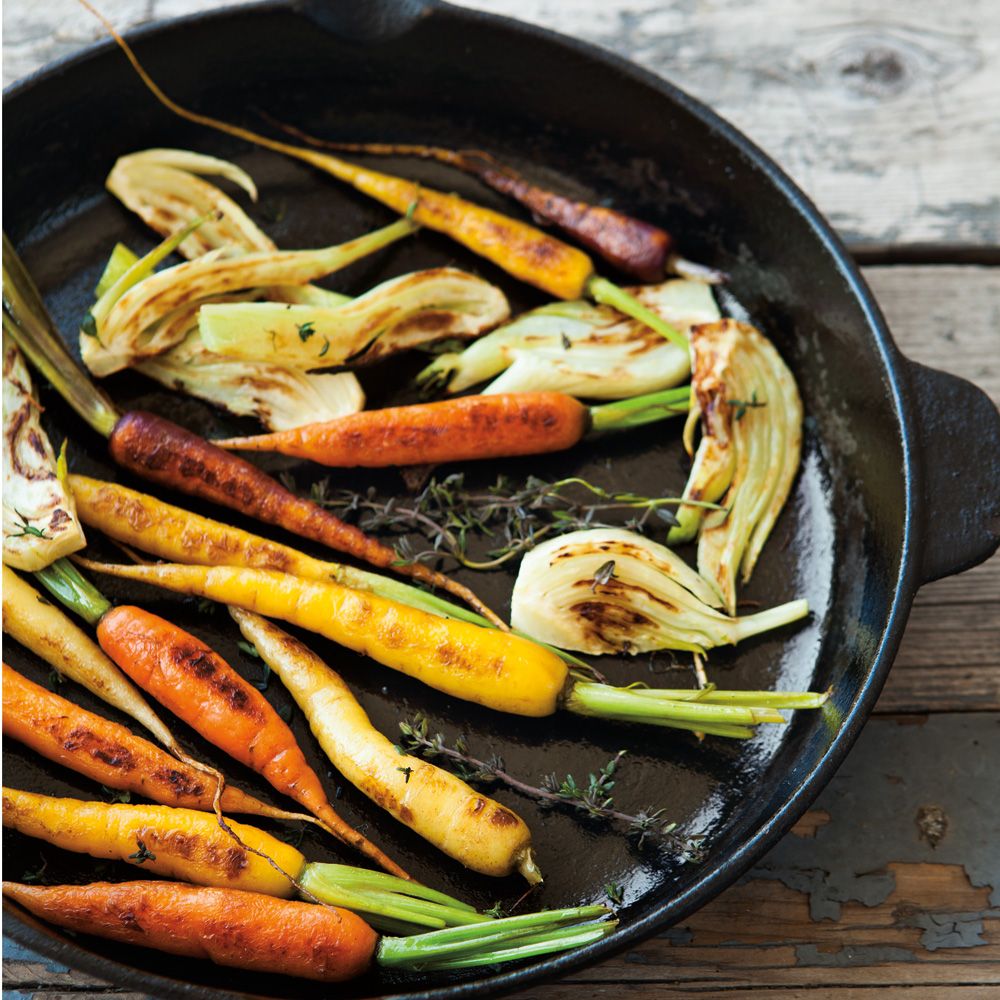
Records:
x=450, y=515
x=592, y=797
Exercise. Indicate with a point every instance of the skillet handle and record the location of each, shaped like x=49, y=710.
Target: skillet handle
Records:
x=959, y=433
x=366, y=21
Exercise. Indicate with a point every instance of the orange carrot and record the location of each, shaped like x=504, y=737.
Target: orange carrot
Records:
x=231, y=927
x=453, y=430
x=111, y=754
x=198, y=686
x=164, y=453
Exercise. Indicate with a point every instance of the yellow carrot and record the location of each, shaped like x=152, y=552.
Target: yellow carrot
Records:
x=482, y=665
x=40, y=626
x=469, y=827
x=180, y=843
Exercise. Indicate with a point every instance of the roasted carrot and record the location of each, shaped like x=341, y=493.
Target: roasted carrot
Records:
x=462, y=429
x=482, y=665
x=522, y=250
x=40, y=626
x=179, y=843
x=453, y=430
x=250, y=931
x=191, y=846
x=638, y=248
x=198, y=686
x=112, y=755
x=227, y=926
x=469, y=827
x=165, y=453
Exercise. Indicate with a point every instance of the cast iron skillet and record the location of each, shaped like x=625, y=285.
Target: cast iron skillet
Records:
x=897, y=484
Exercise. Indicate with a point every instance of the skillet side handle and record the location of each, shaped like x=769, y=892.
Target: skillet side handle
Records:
x=960, y=448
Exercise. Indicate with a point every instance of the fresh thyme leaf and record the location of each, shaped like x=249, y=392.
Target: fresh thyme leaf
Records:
x=55, y=679
x=566, y=342
x=306, y=329
x=265, y=677
x=294, y=837
x=324, y=348
x=614, y=892
x=36, y=875
x=116, y=794
x=407, y=771
x=27, y=528
x=142, y=855
x=742, y=405
x=89, y=325
x=496, y=910
x=249, y=648
x=603, y=575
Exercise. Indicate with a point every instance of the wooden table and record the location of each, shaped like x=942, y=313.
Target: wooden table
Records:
x=888, y=114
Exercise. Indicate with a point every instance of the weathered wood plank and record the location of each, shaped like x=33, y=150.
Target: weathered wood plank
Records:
x=888, y=118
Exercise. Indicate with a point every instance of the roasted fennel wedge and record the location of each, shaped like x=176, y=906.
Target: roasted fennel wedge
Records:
x=608, y=590
x=39, y=516
x=750, y=415
x=586, y=350
x=400, y=313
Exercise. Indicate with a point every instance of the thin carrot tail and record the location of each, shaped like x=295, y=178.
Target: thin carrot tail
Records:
x=418, y=571
x=327, y=818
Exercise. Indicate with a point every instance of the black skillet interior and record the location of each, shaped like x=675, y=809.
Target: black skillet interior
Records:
x=588, y=127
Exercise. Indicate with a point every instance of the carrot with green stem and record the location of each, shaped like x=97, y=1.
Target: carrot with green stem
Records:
x=461, y=429
x=142, y=522
x=249, y=931
x=187, y=844
x=496, y=669
x=164, y=453
x=522, y=250
x=113, y=755
x=198, y=686
x=467, y=826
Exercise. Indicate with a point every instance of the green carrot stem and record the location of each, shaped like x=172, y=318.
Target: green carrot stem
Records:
x=364, y=878
x=609, y=294
x=378, y=904
x=761, y=699
x=65, y=582
x=27, y=322
x=480, y=940
x=705, y=728
x=539, y=944
x=645, y=409
x=603, y=699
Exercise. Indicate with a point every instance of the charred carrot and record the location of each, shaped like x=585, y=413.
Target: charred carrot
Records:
x=189, y=845
x=469, y=827
x=249, y=931
x=522, y=250
x=112, y=755
x=636, y=247
x=460, y=429
x=40, y=626
x=198, y=686
x=481, y=665
x=178, y=843
x=162, y=452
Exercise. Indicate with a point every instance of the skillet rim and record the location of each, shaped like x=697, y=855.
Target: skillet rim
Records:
x=897, y=382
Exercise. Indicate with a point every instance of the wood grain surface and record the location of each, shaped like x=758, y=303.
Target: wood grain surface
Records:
x=888, y=114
